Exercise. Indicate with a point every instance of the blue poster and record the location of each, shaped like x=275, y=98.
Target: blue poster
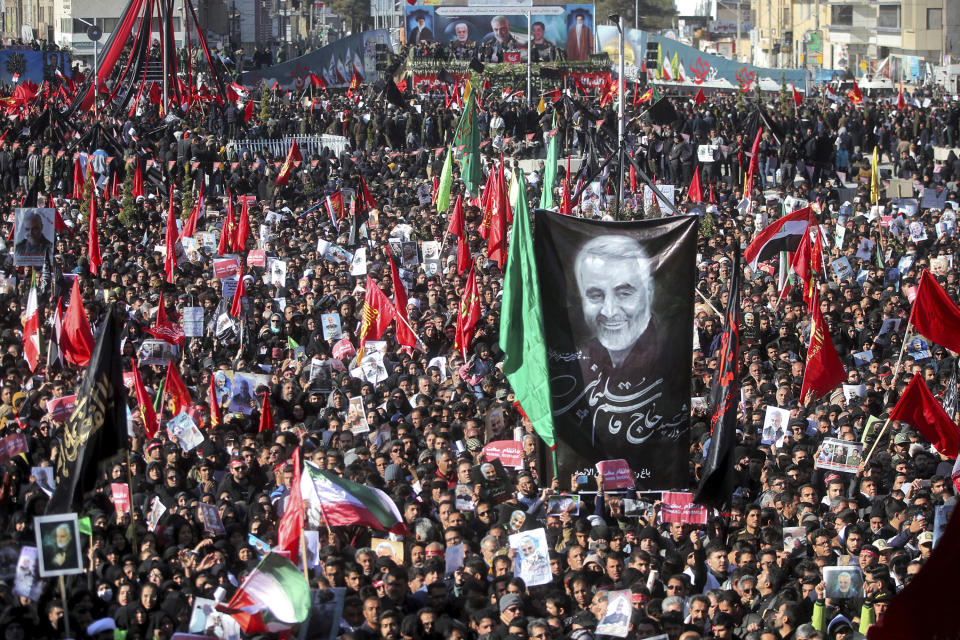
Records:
x=35, y=66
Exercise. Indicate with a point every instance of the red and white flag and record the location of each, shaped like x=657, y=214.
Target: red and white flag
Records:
x=31, y=330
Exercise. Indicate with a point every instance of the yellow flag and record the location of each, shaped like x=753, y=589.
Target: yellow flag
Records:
x=541, y=107
x=875, y=178
x=467, y=89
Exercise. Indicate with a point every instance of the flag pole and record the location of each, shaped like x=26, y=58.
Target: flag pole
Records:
x=896, y=370
x=66, y=612
x=303, y=558
x=709, y=304
x=133, y=528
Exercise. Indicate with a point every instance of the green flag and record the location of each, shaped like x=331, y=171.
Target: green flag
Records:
x=521, y=325
x=466, y=147
x=83, y=524
x=659, y=74
x=446, y=180
x=549, y=170
x=291, y=343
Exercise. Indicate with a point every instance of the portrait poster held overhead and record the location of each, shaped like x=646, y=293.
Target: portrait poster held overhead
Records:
x=532, y=559
x=615, y=327
x=33, y=236
x=58, y=539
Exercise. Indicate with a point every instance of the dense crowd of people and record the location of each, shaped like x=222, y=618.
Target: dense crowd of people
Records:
x=740, y=575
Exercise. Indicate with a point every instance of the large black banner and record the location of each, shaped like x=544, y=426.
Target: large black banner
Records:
x=618, y=323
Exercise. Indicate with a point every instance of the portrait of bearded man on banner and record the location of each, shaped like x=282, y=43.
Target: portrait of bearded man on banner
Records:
x=616, y=328
x=613, y=279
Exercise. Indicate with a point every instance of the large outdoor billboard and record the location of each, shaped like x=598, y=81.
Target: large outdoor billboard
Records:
x=499, y=28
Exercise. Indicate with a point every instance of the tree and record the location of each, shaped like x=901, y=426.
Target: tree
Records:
x=786, y=99
x=265, y=108
x=186, y=204
x=127, y=204
x=654, y=14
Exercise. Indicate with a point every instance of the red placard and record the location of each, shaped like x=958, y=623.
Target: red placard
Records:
x=678, y=506
x=616, y=474
x=508, y=452
x=12, y=445
x=225, y=267
x=256, y=258
x=121, y=497
x=61, y=408
x=513, y=57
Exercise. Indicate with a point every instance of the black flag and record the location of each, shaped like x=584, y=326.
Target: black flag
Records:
x=97, y=428
x=393, y=95
x=616, y=323
x=719, y=475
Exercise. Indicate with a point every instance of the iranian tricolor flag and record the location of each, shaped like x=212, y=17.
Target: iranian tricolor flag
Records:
x=273, y=598
x=344, y=503
x=31, y=330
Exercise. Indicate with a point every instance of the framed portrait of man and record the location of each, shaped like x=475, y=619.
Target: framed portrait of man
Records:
x=58, y=539
x=33, y=236
x=618, y=316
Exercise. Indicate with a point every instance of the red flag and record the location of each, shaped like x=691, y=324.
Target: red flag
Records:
x=377, y=314
x=633, y=178
x=824, y=371
x=565, y=206
x=934, y=314
x=147, y=415
x=405, y=335
x=497, y=240
x=190, y=226
x=695, y=192
x=215, y=418
x=76, y=339
x=699, y=99
x=236, y=306
x=77, y=180
x=137, y=191
x=797, y=98
x=366, y=198
x=291, y=522
x=754, y=165
x=463, y=254
x=243, y=228
x=227, y=231
x=929, y=591
x=170, y=259
x=856, y=97
x=93, y=239
x=292, y=156
x=920, y=409
x=248, y=111
x=468, y=314
x=317, y=81
x=266, y=414
x=176, y=390
x=163, y=329
x=901, y=103
x=489, y=198
x=402, y=85
x=354, y=84
x=457, y=223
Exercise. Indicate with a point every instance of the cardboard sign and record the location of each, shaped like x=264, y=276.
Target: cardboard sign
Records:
x=12, y=445
x=616, y=474
x=121, y=497
x=61, y=408
x=193, y=322
x=225, y=267
x=678, y=506
x=508, y=452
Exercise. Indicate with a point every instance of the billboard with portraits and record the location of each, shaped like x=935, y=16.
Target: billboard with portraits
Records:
x=492, y=29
